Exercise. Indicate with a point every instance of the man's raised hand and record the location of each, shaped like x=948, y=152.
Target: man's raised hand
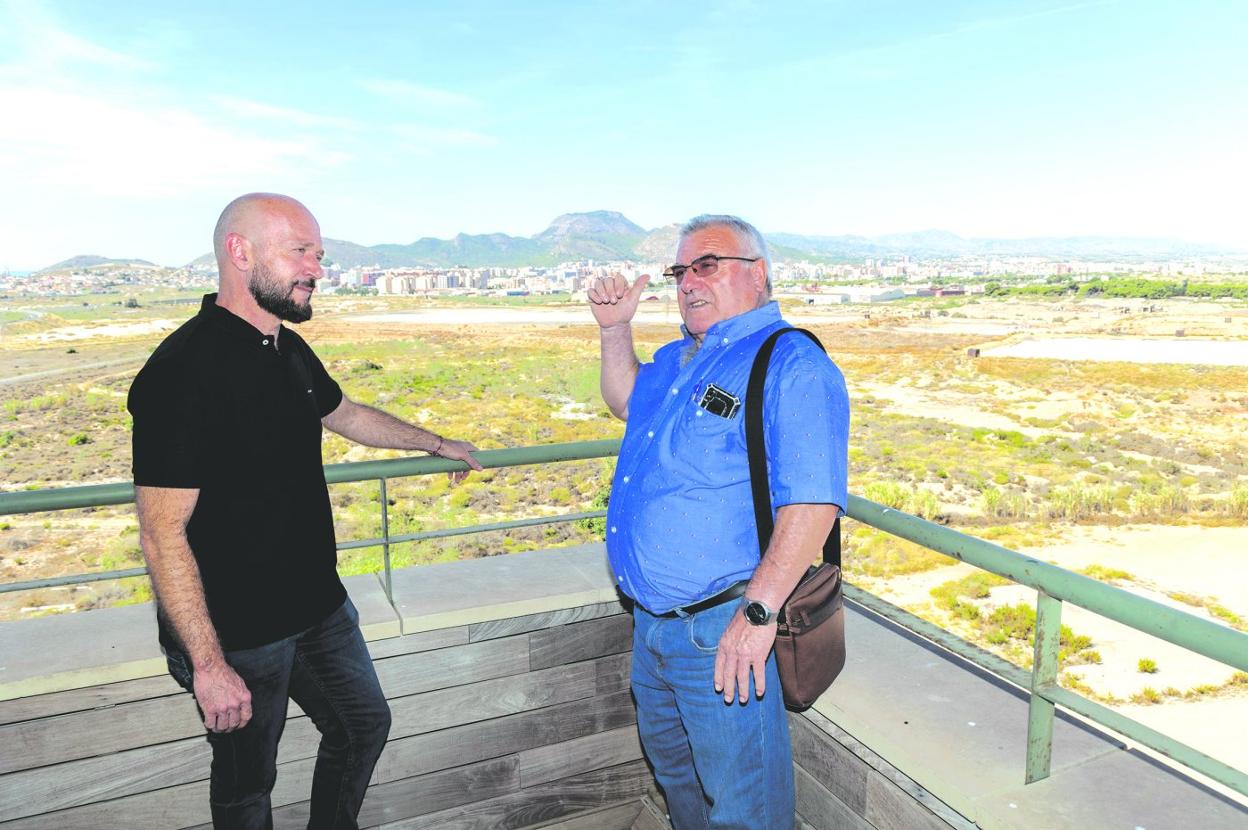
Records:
x=613, y=301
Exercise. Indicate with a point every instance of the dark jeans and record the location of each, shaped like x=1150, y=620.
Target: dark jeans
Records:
x=328, y=672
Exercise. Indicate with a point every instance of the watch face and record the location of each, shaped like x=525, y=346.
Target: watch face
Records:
x=756, y=613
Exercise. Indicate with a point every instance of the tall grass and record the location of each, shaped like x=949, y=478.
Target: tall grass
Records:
x=1077, y=502
x=1165, y=501
x=917, y=500
x=1237, y=505
x=1003, y=504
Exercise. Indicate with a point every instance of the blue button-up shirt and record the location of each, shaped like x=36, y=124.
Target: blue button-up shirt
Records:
x=680, y=522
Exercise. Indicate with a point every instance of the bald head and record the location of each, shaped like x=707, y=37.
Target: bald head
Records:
x=252, y=216
x=269, y=251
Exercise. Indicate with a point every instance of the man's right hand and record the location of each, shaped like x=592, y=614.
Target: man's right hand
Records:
x=223, y=697
x=613, y=300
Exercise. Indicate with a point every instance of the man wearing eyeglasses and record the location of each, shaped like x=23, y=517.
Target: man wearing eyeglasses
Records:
x=681, y=535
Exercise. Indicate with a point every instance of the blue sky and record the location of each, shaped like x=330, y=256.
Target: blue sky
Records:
x=127, y=126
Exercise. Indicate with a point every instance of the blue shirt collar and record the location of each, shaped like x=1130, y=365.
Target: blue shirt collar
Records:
x=734, y=328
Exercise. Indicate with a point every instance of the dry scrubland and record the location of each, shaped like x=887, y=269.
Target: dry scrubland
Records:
x=1136, y=474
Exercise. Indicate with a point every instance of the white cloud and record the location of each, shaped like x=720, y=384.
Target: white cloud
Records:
x=88, y=144
x=39, y=44
x=406, y=92
x=299, y=118
x=422, y=138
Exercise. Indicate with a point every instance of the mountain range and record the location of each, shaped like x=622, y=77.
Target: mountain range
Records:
x=609, y=235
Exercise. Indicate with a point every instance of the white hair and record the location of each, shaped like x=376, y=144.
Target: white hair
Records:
x=749, y=237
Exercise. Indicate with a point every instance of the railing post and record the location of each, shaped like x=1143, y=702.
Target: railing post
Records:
x=1043, y=677
x=385, y=540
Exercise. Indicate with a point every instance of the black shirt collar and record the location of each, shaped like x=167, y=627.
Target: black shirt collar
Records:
x=233, y=325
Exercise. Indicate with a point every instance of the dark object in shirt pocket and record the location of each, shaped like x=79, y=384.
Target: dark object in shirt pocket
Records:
x=718, y=402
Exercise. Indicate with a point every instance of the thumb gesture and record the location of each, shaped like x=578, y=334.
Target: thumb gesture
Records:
x=613, y=301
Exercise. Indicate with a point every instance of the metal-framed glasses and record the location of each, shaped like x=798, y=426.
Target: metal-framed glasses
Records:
x=703, y=266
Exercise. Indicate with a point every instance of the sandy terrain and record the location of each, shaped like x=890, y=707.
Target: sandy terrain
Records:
x=86, y=331
x=967, y=409
x=1133, y=350
x=1214, y=725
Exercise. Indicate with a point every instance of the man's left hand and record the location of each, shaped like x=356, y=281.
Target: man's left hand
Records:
x=742, y=649
x=459, y=451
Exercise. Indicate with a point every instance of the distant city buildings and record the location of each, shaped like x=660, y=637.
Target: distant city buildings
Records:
x=870, y=280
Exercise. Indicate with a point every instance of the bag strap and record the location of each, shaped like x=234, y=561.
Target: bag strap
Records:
x=756, y=450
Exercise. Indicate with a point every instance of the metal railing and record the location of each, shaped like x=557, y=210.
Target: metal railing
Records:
x=1053, y=584
x=102, y=495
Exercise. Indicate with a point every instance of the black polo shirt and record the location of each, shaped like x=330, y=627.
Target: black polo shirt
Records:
x=221, y=408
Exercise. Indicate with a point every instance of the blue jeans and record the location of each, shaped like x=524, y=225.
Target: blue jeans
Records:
x=720, y=765
x=328, y=672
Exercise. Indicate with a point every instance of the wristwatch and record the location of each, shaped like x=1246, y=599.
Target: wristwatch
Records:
x=757, y=613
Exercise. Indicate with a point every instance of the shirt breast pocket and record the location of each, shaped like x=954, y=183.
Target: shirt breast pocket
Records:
x=705, y=436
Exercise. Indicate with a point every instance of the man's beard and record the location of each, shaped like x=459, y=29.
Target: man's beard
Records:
x=275, y=298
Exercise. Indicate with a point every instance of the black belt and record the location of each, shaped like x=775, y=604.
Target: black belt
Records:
x=730, y=593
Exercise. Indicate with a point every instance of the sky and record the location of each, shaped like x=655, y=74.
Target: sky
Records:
x=125, y=127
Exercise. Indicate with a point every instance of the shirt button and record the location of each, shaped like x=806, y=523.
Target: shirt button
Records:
x=725, y=339
x=674, y=390
x=264, y=342
x=626, y=479
x=619, y=579
x=613, y=528
x=650, y=434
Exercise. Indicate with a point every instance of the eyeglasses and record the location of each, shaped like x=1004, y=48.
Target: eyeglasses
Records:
x=703, y=266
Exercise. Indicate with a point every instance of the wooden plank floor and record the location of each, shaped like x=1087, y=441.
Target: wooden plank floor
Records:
x=507, y=723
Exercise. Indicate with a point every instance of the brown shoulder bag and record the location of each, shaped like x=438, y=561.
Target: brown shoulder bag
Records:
x=810, y=632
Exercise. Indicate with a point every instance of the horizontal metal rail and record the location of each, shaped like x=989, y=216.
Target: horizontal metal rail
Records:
x=1053, y=584
x=468, y=529
x=128, y=573
x=67, y=498
x=100, y=495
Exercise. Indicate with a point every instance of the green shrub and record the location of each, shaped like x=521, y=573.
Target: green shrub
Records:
x=887, y=493
x=1105, y=574
x=1146, y=666
x=1015, y=622
x=1226, y=614
x=874, y=553
x=79, y=439
x=598, y=527
x=953, y=596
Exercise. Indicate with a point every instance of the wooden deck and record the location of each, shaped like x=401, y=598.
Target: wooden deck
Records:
x=523, y=721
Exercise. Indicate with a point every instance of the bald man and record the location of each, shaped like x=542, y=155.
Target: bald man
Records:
x=236, y=526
